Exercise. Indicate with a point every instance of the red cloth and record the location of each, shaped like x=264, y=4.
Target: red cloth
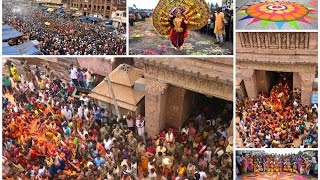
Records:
x=177, y=38
x=162, y=134
x=151, y=150
x=182, y=138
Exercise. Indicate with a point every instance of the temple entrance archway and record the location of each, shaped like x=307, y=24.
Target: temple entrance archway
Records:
x=175, y=87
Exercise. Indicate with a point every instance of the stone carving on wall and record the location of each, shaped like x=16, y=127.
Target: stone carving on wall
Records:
x=254, y=40
x=273, y=41
x=302, y=40
x=191, y=82
x=283, y=37
x=283, y=40
x=246, y=39
x=248, y=67
x=262, y=40
x=155, y=87
x=292, y=43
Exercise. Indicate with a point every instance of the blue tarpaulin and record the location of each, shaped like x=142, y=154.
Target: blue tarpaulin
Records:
x=6, y=26
x=314, y=98
x=60, y=11
x=8, y=33
x=10, y=50
x=108, y=22
x=5, y=44
x=83, y=18
x=92, y=19
x=26, y=48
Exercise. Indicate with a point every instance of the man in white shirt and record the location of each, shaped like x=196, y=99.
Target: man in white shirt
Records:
x=140, y=125
x=169, y=137
x=107, y=143
x=86, y=112
x=203, y=175
x=80, y=112
x=74, y=75
x=295, y=103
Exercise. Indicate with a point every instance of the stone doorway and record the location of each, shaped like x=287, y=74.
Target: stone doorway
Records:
x=212, y=107
x=194, y=103
x=278, y=77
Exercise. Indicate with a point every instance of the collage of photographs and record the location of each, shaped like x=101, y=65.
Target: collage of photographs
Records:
x=159, y=90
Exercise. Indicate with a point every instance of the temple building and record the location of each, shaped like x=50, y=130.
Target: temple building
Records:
x=176, y=86
x=127, y=84
x=262, y=56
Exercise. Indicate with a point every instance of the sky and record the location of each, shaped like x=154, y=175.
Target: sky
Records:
x=151, y=4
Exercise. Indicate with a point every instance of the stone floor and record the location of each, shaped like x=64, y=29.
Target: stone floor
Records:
x=144, y=40
x=245, y=22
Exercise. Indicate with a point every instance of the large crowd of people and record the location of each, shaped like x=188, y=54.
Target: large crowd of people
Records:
x=303, y=164
x=278, y=120
x=50, y=134
x=62, y=34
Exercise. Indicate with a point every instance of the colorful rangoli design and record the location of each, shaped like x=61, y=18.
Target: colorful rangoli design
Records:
x=274, y=175
x=279, y=13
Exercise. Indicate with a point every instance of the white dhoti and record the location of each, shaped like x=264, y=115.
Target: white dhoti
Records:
x=140, y=127
x=140, y=131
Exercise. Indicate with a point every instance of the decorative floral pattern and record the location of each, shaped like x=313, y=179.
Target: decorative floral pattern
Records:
x=278, y=11
x=274, y=175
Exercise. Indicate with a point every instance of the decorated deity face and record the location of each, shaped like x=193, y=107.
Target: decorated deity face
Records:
x=62, y=155
x=178, y=13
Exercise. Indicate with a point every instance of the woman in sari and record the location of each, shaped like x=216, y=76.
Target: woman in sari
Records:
x=245, y=165
x=251, y=164
x=144, y=160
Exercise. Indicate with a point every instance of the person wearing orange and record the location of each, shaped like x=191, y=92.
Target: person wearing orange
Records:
x=101, y=148
x=219, y=25
x=144, y=161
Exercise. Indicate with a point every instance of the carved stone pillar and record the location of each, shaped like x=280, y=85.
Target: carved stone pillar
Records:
x=263, y=81
x=306, y=87
x=175, y=110
x=313, y=41
x=155, y=101
x=250, y=82
x=296, y=80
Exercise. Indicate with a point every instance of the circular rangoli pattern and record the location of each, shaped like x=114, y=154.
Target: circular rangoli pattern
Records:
x=274, y=175
x=278, y=11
